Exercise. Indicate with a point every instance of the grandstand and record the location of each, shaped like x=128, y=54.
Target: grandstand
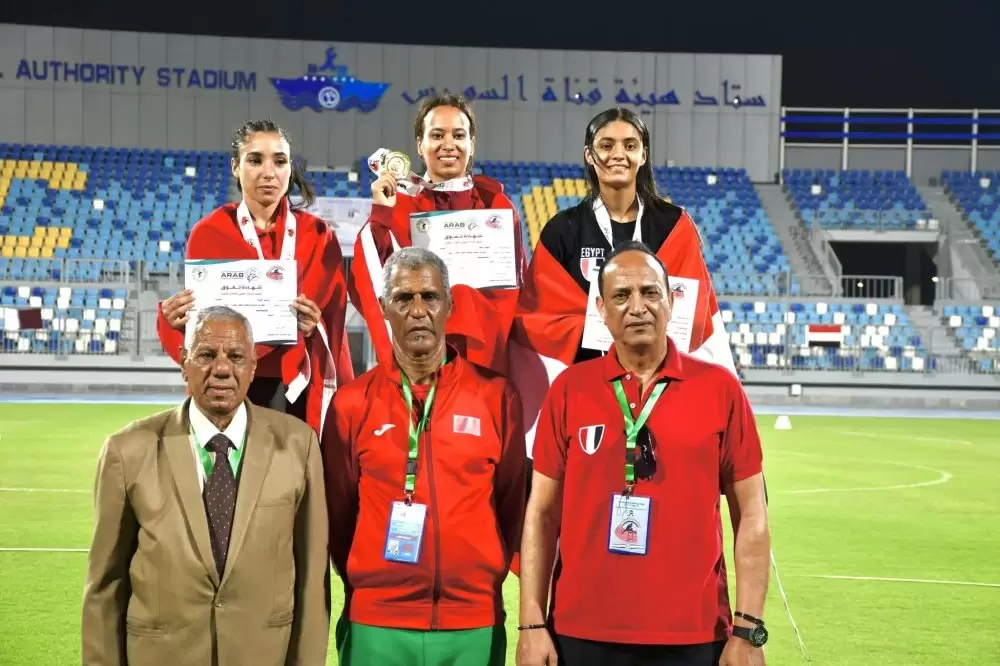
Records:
x=857, y=199
x=94, y=236
x=977, y=196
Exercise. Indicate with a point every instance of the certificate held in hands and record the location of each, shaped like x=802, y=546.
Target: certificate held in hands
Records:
x=477, y=245
x=261, y=291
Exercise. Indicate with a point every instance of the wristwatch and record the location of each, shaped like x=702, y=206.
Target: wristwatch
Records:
x=755, y=635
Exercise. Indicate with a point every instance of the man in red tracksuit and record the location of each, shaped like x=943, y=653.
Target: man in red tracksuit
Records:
x=425, y=475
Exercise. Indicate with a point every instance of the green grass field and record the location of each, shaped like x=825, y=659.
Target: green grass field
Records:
x=911, y=500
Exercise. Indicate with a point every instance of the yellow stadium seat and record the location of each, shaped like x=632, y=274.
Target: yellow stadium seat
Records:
x=55, y=184
x=3, y=240
x=23, y=241
x=45, y=172
x=40, y=231
x=35, y=164
x=65, y=232
x=32, y=174
x=48, y=252
x=71, y=167
x=63, y=242
x=7, y=251
x=59, y=166
x=52, y=231
x=20, y=173
x=20, y=252
x=34, y=252
x=22, y=164
x=49, y=241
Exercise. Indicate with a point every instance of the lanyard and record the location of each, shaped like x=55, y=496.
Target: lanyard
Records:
x=206, y=459
x=632, y=428
x=604, y=222
x=249, y=232
x=415, y=432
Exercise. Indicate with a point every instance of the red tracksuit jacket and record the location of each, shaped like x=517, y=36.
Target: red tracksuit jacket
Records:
x=471, y=474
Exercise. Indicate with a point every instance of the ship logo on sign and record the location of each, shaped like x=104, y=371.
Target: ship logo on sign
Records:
x=329, y=87
x=276, y=273
x=494, y=222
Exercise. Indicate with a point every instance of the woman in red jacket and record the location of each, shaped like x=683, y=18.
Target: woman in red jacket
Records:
x=445, y=132
x=298, y=379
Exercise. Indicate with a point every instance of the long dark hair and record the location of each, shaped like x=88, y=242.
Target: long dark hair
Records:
x=645, y=186
x=298, y=177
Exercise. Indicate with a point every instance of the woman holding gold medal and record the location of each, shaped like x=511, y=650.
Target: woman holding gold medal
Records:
x=445, y=134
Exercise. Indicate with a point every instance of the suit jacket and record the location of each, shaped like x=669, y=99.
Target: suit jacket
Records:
x=153, y=596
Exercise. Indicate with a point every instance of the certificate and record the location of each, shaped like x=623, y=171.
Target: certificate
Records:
x=261, y=291
x=596, y=335
x=477, y=245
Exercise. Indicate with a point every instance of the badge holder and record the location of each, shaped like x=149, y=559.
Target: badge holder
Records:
x=405, y=535
x=628, y=531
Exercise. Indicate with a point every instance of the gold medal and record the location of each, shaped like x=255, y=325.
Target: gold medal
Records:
x=396, y=163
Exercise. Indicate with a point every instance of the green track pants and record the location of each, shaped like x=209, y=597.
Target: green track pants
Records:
x=363, y=645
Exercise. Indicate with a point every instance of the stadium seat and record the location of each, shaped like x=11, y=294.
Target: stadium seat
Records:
x=869, y=336
x=75, y=319
x=977, y=196
x=857, y=199
x=976, y=329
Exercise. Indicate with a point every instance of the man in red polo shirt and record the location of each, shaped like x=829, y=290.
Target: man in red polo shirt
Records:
x=631, y=453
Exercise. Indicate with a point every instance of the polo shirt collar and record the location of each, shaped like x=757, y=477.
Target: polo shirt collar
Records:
x=672, y=366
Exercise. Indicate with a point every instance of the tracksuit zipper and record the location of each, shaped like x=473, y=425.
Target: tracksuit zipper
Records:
x=437, y=530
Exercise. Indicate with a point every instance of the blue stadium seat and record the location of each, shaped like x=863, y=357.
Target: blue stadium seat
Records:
x=856, y=199
x=874, y=337
x=977, y=196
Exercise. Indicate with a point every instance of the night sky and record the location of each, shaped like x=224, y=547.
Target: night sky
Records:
x=876, y=53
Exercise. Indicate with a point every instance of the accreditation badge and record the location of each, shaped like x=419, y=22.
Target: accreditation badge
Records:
x=629, y=528
x=406, y=532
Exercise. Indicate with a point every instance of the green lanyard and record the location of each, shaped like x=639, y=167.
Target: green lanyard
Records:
x=206, y=459
x=415, y=432
x=632, y=428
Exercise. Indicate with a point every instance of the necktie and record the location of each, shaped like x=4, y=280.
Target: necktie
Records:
x=220, y=500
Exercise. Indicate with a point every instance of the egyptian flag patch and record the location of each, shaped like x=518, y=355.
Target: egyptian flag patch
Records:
x=590, y=438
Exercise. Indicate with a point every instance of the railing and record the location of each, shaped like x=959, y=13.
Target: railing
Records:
x=68, y=271
x=897, y=127
x=869, y=220
x=967, y=290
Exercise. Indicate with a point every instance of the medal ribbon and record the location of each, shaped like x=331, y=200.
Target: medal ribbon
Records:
x=632, y=428
x=415, y=432
x=604, y=222
x=249, y=231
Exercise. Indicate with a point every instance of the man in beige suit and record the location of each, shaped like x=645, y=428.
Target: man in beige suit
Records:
x=210, y=538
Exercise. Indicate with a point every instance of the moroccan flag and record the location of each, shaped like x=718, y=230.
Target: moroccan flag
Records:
x=548, y=325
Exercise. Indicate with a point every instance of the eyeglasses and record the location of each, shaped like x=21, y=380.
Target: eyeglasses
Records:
x=645, y=460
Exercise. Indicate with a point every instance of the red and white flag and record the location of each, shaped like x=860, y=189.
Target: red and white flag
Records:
x=825, y=335
x=548, y=326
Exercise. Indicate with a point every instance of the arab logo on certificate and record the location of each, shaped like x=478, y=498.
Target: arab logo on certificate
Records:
x=590, y=438
x=252, y=275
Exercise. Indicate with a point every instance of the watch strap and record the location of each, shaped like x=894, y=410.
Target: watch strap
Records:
x=748, y=617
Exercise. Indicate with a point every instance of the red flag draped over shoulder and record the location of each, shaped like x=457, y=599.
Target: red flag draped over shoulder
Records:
x=481, y=318
x=548, y=325
x=323, y=360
